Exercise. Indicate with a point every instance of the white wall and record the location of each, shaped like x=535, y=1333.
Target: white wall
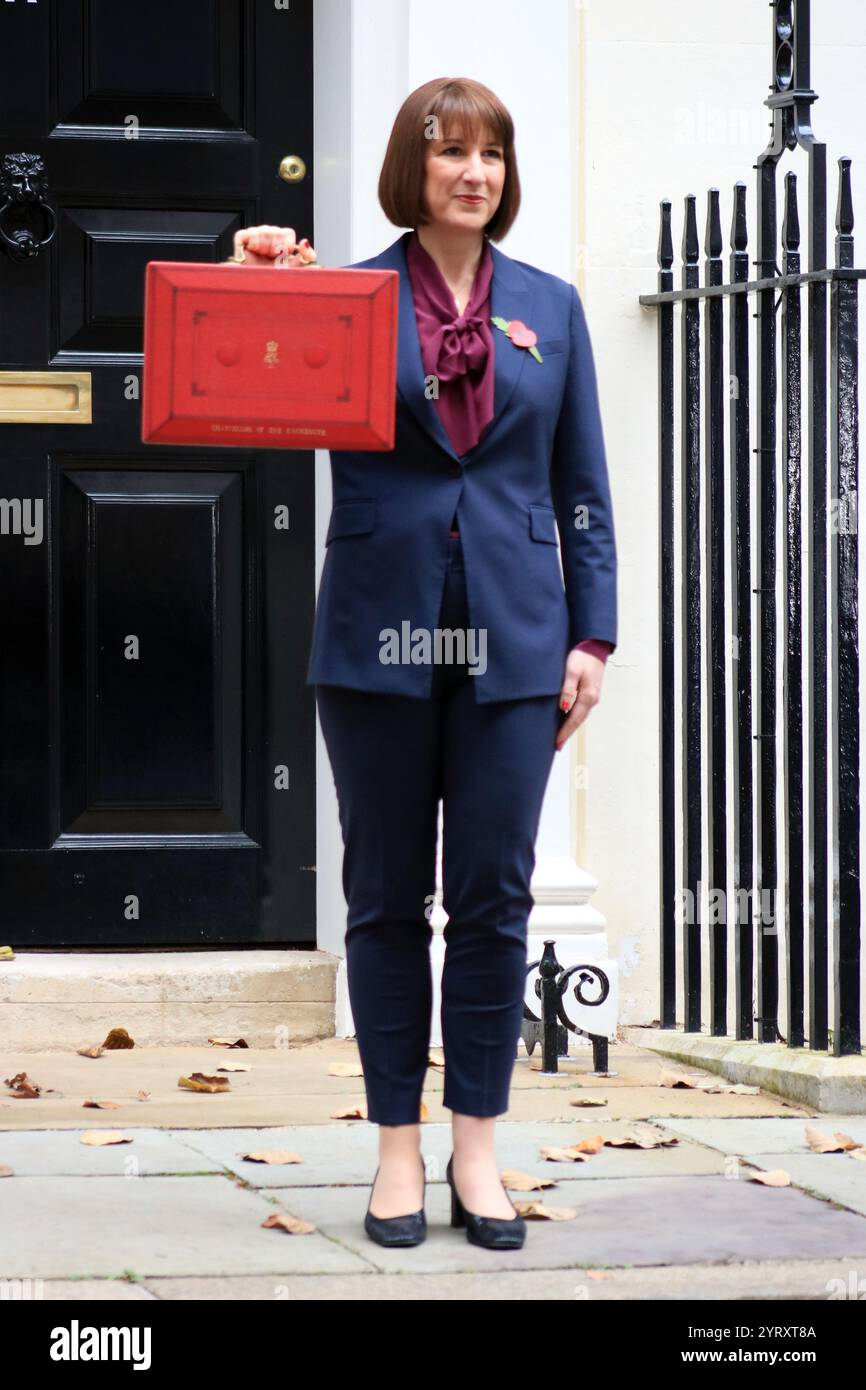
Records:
x=615, y=107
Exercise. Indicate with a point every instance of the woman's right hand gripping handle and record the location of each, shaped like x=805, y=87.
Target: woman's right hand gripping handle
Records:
x=273, y=246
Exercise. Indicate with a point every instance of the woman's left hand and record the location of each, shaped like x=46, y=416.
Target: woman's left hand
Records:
x=581, y=691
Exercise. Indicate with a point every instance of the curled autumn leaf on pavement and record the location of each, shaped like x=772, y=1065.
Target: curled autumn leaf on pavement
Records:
x=100, y=1105
x=436, y=1059
x=22, y=1087
x=197, y=1081
x=235, y=1066
x=104, y=1136
x=820, y=1144
x=537, y=1211
x=587, y=1100
x=5, y=1172
x=118, y=1038
x=574, y=1153
x=273, y=1156
x=516, y=1181
x=643, y=1139
x=711, y=1084
x=562, y=1155
x=345, y=1069
x=95, y=1051
x=227, y=1042
x=143, y=1095
x=776, y=1177
x=294, y=1225
x=352, y=1112
x=682, y=1078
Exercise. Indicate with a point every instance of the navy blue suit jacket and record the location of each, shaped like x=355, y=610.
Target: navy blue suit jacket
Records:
x=538, y=470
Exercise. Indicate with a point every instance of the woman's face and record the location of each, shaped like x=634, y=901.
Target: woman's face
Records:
x=458, y=167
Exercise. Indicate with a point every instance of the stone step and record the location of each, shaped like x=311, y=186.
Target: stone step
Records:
x=166, y=998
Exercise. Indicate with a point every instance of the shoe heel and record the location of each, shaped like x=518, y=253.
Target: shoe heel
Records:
x=457, y=1217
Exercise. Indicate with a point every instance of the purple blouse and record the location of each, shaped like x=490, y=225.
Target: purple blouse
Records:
x=458, y=349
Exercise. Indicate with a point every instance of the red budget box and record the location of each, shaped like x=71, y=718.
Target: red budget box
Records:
x=265, y=358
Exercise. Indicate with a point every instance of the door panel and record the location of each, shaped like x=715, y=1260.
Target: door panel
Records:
x=156, y=736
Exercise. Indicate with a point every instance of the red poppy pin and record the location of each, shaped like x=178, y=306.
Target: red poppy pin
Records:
x=520, y=335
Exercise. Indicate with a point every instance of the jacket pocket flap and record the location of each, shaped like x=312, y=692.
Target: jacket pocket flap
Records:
x=353, y=518
x=542, y=523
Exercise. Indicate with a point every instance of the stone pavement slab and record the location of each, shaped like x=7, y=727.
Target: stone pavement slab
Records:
x=776, y=1136
x=814, y=1280
x=60, y=1153
x=293, y=1086
x=350, y=1157
x=764, y=1281
x=832, y=1177
x=87, y=1226
x=620, y=1221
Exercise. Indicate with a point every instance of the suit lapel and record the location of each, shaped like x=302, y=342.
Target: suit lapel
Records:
x=510, y=298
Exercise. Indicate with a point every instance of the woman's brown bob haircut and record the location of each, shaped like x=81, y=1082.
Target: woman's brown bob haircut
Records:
x=464, y=109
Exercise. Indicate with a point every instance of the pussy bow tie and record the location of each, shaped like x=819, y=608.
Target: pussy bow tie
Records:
x=459, y=347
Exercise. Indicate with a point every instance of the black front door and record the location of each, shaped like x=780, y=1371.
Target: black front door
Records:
x=158, y=742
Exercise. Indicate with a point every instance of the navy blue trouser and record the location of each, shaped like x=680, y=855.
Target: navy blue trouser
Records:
x=393, y=757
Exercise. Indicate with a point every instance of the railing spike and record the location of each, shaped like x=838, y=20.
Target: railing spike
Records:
x=790, y=219
x=713, y=230
x=666, y=244
x=739, y=226
x=844, y=202
x=690, y=247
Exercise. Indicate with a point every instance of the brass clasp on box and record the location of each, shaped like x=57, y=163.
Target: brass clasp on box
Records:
x=45, y=398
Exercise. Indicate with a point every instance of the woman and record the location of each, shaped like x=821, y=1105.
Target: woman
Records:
x=498, y=445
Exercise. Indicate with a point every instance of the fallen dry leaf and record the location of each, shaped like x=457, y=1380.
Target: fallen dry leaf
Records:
x=5, y=1172
x=235, y=1066
x=587, y=1100
x=639, y=1138
x=523, y=1182
x=423, y=1112
x=118, y=1038
x=144, y=1095
x=591, y=1145
x=820, y=1144
x=100, y=1105
x=6, y=953
x=22, y=1087
x=354, y=1112
x=537, y=1211
x=777, y=1177
x=345, y=1069
x=227, y=1042
x=197, y=1081
x=104, y=1136
x=436, y=1059
x=274, y=1156
x=90, y=1051
x=681, y=1078
x=561, y=1155
x=281, y=1220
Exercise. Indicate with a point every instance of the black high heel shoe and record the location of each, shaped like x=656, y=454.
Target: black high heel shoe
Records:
x=397, y=1230
x=493, y=1232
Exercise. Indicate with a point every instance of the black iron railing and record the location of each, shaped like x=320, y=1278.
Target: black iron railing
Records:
x=820, y=930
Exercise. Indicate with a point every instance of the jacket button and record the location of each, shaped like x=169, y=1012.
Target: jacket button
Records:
x=455, y=470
